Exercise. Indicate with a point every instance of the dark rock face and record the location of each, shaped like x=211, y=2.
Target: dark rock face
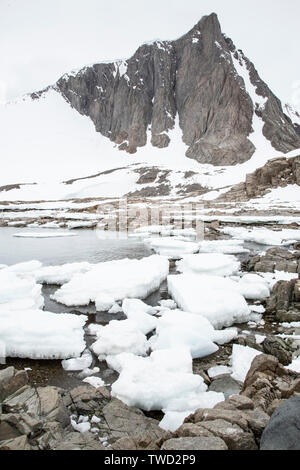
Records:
x=194, y=77
x=283, y=430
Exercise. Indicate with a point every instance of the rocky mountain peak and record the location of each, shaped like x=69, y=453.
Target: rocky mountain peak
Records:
x=223, y=108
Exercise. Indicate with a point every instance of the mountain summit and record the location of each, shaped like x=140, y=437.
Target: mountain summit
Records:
x=203, y=78
x=178, y=116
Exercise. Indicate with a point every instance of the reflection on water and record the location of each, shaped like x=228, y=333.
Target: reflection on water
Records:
x=85, y=246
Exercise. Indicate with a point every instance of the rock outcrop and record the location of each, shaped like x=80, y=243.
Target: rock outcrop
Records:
x=278, y=172
x=282, y=432
x=199, y=78
x=43, y=418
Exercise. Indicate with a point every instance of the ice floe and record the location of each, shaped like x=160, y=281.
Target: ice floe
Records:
x=162, y=381
x=241, y=360
x=263, y=236
x=172, y=247
x=118, y=337
x=213, y=297
x=37, y=334
x=111, y=281
x=216, y=264
x=229, y=247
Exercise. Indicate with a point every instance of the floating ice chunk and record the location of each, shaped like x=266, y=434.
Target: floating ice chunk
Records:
x=37, y=334
x=253, y=286
x=218, y=370
x=230, y=247
x=94, y=329
x=140, y=314
x=241, y=360
x=118, y=337
x=81, y=224
x=151, y=383
x=264, y=236
x=213, y=263
x=272, y=278
x=27, y=267
x=115, y=280
x=168, y=304
x=80, y=427
x=225, y=336
x=104, y=302
x=116, y=308
x=2, y=266
x=213, y=297
x=78, y=363
x=61, y=274
x=177, y=329
x=172, y=420
x=43, y=234
x=257, y=308
x=17, y=292
x=94, y=381
x=154, y=229
x=88, y=372
x=172, y=247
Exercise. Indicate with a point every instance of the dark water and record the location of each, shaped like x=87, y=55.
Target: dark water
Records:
x=84, y=246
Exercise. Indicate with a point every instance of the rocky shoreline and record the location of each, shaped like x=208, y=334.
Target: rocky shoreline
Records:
x=43, y=418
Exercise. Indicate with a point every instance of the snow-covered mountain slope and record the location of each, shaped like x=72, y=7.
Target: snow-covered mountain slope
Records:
x=46, y=141
x=55, y=147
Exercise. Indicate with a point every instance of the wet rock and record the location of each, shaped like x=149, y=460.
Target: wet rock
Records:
x=232, y=434
x=86, y=399
x=19, y=443
x=279, y=348
x=121, y=420
x=192, y=430
x=52, y=406
x=11, y=381
x=130, y=443
x=283, y=430
x=77, y=441
x=225, y=384
x=268, y=381
x=195, y=443
x=14, y=425
x=275, y=259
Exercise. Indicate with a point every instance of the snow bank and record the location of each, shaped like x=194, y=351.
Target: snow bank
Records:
x=110, y=281
x=213, y=297
x=213, y=263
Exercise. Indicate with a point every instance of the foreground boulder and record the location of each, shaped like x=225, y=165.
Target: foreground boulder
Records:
x=283, y=430
x=268, y=382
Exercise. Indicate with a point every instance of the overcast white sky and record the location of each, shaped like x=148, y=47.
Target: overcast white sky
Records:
x=42, y=39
